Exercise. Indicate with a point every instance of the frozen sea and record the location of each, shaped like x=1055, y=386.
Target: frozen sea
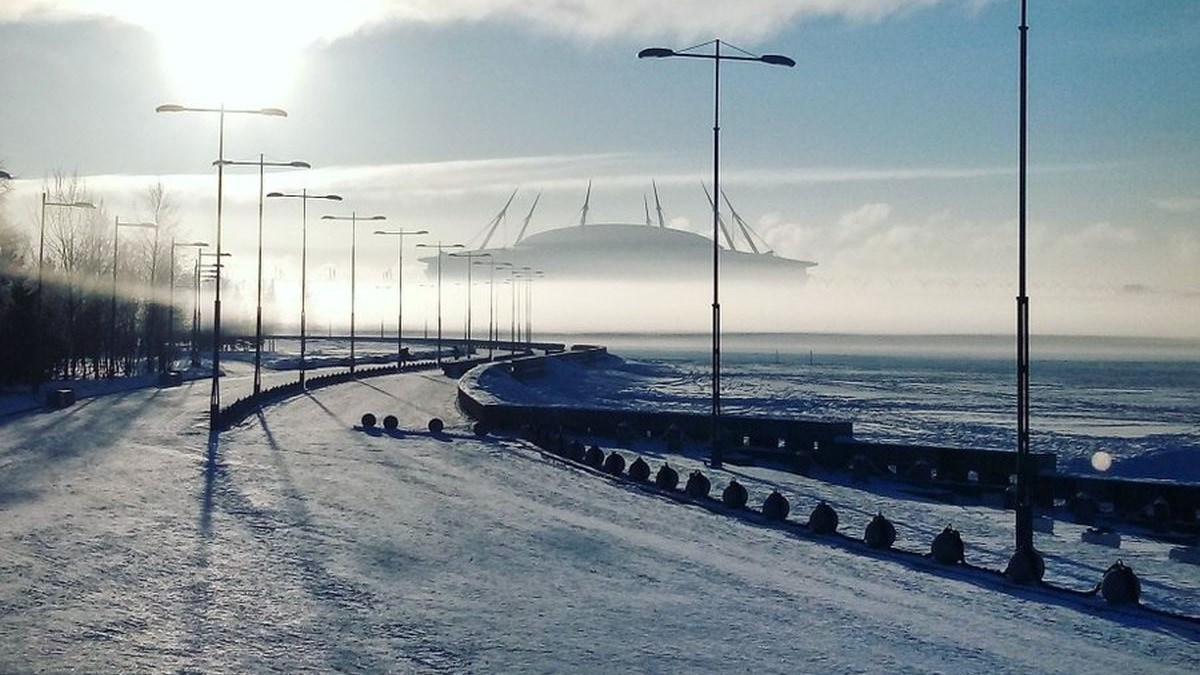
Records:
x=1136, y=399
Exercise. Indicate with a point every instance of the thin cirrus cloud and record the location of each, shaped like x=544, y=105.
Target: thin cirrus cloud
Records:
x=458, y=178
x=1179, y=205
x=311, y=21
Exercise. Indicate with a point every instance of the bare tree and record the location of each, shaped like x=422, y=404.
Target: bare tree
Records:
x=74, y=265
x=161, y=210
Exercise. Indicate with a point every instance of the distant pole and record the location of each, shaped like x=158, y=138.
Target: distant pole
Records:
x=470, y=256
x=439, y=247
x=491, y=307
x=194, y=351
x=303, y=196
x=112, y=308
x=261, y=163
x=353, y=218
x=399, y=234
x=171, y=317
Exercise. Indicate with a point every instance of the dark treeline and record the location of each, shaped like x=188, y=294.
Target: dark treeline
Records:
x=61, y=314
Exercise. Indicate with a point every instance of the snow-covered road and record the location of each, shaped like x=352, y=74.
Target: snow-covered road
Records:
x=315, y=547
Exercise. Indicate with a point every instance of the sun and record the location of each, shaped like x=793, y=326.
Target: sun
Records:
x=238, y=54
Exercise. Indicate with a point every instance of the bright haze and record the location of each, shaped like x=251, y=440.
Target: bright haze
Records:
x=888, y=155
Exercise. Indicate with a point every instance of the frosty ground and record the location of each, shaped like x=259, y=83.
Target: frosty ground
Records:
x=298, y=543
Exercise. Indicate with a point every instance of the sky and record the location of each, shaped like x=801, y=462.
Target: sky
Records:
x=887, y=156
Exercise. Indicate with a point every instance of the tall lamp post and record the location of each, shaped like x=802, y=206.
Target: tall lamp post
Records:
x=214, y=400
x=440, y=247
x=303, y=196
x=1026, y=564
x=261, y=164
x=470, y=256
x=171, y=316
x=353, y=218
x=112, y=307
x=399, y=235
x=716, y=57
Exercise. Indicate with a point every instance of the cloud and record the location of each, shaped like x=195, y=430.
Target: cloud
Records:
x=320, y=20
x=1179, y=204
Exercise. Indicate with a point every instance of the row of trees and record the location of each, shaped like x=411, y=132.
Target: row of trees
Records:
x=61, y=316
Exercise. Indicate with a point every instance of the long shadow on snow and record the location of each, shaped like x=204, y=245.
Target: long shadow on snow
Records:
x=199, y=636
x=291, y=537
x=991, y=580
x=65, y=436
x=879, y=487
x=325, y=409
x=411, y=404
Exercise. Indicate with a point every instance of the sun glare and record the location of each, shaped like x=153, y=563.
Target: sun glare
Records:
x=241, y=54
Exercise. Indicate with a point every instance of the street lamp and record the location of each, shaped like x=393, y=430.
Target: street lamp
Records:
x=528, y=274
x=214, y=401
x=261, y=164
x=491, y=263
x=42, y=249
x=514, y=308
x=112, y=308
x=537, y=274
x=512, y=314
x=716, y=57
x=440, y=247
x=353, y=218
x=42, y=231
x=303, y=196
x=171, y=320
x=512, y=305
x=399, y=234
x=470, y=256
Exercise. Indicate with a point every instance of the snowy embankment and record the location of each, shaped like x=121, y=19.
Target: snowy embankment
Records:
x=311, y=546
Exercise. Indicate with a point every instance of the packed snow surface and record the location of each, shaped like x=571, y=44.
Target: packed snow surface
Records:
x=299, y=543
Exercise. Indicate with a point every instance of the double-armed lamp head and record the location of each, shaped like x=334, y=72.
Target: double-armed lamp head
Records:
x=175, y=107
x=664, y=52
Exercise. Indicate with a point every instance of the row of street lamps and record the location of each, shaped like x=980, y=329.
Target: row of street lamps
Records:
x=213, y=271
